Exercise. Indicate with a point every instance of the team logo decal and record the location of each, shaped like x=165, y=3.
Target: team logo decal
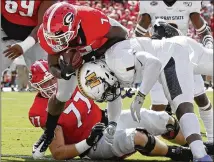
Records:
x=153, y=3
x=92, y=80
x=188, y=4
x=69, y=17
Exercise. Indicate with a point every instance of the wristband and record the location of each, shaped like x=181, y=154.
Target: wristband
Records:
x=27, y=43
x=82, y=146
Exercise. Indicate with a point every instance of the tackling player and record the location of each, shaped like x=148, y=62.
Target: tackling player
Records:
x=20, y=21
x=178, y=14
x=78, y=129
x=67, y=26
x=173, y=62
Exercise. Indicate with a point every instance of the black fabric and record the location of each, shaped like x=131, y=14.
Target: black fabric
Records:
x=169, y=3
x=172, y=79
x=51, y=123
x=150, y=145
x=14, y=31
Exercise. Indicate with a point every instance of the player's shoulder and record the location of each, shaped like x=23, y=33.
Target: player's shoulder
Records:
x=85, y=12
x=190, y=5
x=181, y=40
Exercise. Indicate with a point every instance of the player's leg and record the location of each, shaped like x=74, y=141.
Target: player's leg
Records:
x=177, y=80
x=158, y=99
x=204, y=105
x=128, y=141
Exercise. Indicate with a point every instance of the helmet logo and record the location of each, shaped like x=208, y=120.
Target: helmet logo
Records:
x=69, y=17
x=92, y=80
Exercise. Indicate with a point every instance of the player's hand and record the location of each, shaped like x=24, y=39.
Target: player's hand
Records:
x=13, y=51
x=209, y=45
x=41, y=146
x=109, y=132
x=67, y=71
x=96, y=134
x=136, y=106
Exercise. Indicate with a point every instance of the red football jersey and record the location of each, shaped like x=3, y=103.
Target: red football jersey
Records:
x=95, y=25
x=77, y=120
x=21, y=12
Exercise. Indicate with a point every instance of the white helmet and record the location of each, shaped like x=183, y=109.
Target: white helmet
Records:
x=96, y=81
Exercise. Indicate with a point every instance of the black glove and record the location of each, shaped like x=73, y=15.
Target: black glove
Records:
x=96, y=134
x=42, y=144
x=67, y=71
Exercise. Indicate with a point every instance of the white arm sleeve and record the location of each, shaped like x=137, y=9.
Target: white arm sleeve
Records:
x=150, y=67
x=114, y=109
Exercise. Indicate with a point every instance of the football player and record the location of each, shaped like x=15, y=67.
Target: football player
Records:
x=67, y=26
x=78, y=129
x=20, y=21
x=173, y=62
x=178, y=14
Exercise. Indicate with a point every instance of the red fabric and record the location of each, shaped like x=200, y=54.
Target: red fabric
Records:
x=21, y=12
x=88, y=116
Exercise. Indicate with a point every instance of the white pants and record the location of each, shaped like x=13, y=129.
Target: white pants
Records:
x=123, y=144
x=158, y=96
x=33, y=54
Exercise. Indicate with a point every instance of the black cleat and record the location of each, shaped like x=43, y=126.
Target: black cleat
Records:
x=179, y=153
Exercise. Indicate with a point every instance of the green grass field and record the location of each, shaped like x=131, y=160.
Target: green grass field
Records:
x=18, y=135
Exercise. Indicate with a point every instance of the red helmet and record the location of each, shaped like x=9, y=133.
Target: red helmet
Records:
x=60, y=25
x=42, y=79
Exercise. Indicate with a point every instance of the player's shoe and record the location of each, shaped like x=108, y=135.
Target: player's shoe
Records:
x=206, y=158
x=181, y=153
x=41, y=146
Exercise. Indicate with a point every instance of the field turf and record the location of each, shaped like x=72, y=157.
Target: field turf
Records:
x=18, y=135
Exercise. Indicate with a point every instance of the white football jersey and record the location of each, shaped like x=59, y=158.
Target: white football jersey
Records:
x=178, y=13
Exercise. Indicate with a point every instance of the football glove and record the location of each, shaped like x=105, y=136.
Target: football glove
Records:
x=96, y=134
x=136, y=106
x=67, y=71
x=41, y=146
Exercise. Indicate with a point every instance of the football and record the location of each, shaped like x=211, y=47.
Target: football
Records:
x=72, y=57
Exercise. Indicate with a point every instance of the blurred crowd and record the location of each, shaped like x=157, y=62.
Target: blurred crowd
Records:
x=126, y=12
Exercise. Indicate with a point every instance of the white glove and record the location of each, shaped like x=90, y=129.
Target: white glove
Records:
x=136, y=106
x=109, y=132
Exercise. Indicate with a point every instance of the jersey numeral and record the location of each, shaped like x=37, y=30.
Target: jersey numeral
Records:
x=35, y=121
x=72, y=108
x=103, y=20
x=12, y=6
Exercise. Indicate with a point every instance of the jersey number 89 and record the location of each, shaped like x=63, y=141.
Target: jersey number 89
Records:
x=12, y=7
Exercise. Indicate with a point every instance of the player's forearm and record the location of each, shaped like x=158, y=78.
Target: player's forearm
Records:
x=114, y=109
x=65, y=152
x=151, y=68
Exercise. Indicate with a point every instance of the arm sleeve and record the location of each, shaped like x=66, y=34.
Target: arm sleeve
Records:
x=114, y=109
x=150, y=67
x=37, y=113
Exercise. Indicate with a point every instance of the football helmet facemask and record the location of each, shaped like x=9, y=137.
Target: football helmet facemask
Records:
x=60, y=25
x=41, y=79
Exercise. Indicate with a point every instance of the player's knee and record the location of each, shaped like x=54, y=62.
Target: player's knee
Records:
x=184, y=108
x=144, y=141
x=202, y=101
x=172, y=128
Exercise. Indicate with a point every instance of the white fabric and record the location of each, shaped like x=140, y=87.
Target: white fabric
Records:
x=114, y=109
x=178, y=14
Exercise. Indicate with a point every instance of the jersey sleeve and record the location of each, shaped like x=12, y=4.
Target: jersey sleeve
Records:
x=101, y=23
x=196, y=7
x=37, y=113
x=42, y=41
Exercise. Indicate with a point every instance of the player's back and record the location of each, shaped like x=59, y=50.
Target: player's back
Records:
x=79, y=116
x=178, y=13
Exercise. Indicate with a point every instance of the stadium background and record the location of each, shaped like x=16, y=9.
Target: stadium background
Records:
x=17, y=133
